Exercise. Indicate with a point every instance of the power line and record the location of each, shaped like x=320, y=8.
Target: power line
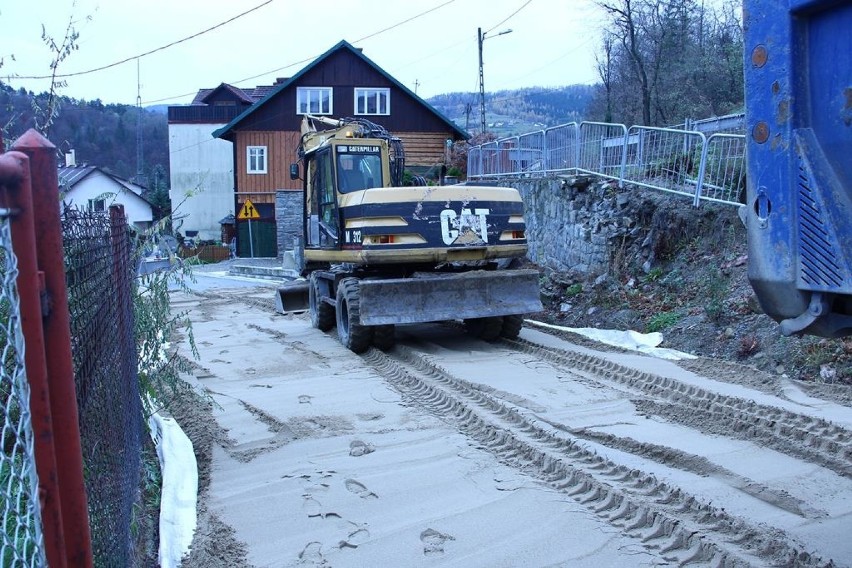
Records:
x=509, y=17
x=366, y=37
x=308, y=59
x=161, y=48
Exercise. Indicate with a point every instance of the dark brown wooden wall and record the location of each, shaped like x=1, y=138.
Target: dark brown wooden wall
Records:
x=343, y=71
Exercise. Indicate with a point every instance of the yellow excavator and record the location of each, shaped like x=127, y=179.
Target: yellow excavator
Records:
x=376, y=253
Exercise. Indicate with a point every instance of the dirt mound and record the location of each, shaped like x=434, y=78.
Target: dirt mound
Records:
x=683, y=272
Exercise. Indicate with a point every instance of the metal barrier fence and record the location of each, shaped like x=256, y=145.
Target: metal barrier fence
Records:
x=664, y=158
x=22, y=542
x=561, y=147
x=99, y=274
x=685, y=162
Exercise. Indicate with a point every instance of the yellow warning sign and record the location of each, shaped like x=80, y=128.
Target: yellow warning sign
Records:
x=248, y=211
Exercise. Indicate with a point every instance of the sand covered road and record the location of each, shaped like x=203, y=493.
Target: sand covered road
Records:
x=449, y=451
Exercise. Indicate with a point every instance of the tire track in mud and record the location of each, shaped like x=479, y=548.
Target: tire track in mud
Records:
x=804, y=437
x=667, y=520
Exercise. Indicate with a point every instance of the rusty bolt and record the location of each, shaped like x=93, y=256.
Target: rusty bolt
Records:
x=759, y=56
x=760, y=132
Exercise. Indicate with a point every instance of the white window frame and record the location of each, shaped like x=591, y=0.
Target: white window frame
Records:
x=97, y=205
x=252, y=167
x=372, y=92
x=312, y=98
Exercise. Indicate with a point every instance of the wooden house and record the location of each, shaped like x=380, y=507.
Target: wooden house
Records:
x=342, y=82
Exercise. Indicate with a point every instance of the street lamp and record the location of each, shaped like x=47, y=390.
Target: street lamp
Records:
x=481, y=38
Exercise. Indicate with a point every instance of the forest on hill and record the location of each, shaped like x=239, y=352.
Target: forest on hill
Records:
x=517, y=111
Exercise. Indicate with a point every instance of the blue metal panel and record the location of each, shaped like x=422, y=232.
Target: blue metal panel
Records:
x=798, y=80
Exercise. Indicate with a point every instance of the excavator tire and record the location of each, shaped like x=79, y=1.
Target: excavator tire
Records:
x=352, y=334
x=384, y=337
x=322, y=314
x=487, y=328
x=512, y=326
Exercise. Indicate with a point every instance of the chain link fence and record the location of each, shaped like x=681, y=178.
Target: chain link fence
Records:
x=22, y=540
x=98, y=268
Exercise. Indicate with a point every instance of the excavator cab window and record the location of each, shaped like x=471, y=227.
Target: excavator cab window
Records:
x=358, y=170
x=323, y=229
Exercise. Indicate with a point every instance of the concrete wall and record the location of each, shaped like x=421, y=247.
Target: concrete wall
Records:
x=202, y=167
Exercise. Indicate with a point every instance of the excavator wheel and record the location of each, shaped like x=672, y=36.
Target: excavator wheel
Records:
x=487, y=328
x=512, y=326
x=384, y=337
x=352, y=334
x=322, y=314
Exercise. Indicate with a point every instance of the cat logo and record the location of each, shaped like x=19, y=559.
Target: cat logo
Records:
x=468, y=228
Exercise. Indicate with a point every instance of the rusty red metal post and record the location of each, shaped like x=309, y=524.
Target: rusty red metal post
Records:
x=15, y=195
x=57, y=342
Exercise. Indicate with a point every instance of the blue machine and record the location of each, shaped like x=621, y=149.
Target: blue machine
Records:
x=798, y=93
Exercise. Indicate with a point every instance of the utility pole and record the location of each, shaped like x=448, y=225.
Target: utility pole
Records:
x=140, y=164
x=480, y=36
x=416, y=84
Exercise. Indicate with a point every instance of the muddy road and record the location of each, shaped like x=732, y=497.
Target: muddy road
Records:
x=543, y=451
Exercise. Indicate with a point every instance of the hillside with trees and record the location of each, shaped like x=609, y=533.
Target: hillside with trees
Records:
x=102, y=135
x=661, y=61
x=517, y=111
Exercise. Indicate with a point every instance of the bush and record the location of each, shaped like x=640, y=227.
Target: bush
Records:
x=662, y=321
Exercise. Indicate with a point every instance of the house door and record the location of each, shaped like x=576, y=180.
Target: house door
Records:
x=264, y=234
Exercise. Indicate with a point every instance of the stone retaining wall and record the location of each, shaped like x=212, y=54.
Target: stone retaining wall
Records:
x=288, y=218
x=573, y=223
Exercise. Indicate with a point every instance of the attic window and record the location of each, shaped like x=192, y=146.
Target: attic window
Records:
x=372, y=101
x=313, y=100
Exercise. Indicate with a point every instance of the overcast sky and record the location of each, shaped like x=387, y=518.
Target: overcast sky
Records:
x=428, y=45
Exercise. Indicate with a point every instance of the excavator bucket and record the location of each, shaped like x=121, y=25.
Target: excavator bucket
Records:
x=292, y=297
x=436, y=297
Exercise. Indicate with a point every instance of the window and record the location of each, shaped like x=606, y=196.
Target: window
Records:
x=97, y=205
x=358, y=167
x=256, y=159
x=372, y=101
x=313, y=100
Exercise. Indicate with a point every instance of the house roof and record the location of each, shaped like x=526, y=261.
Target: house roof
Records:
x=248, y=95
x=226, y=131
x=70, y=176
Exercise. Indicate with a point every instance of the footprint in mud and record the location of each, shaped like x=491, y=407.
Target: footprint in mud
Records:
x=312, y=555
x=358, y=536
x=360, y=490
x=433, y=542
x=358, y=448
x=314, y=509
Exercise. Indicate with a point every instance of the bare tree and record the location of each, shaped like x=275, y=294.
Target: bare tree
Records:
x=665, y=60
x=46, y=111
x=626, y=17
x=604, y=63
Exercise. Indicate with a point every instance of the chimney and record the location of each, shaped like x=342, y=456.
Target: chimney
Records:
x=71, y=158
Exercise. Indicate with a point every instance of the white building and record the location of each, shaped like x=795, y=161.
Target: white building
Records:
x=93, y=189
x=201, y=167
